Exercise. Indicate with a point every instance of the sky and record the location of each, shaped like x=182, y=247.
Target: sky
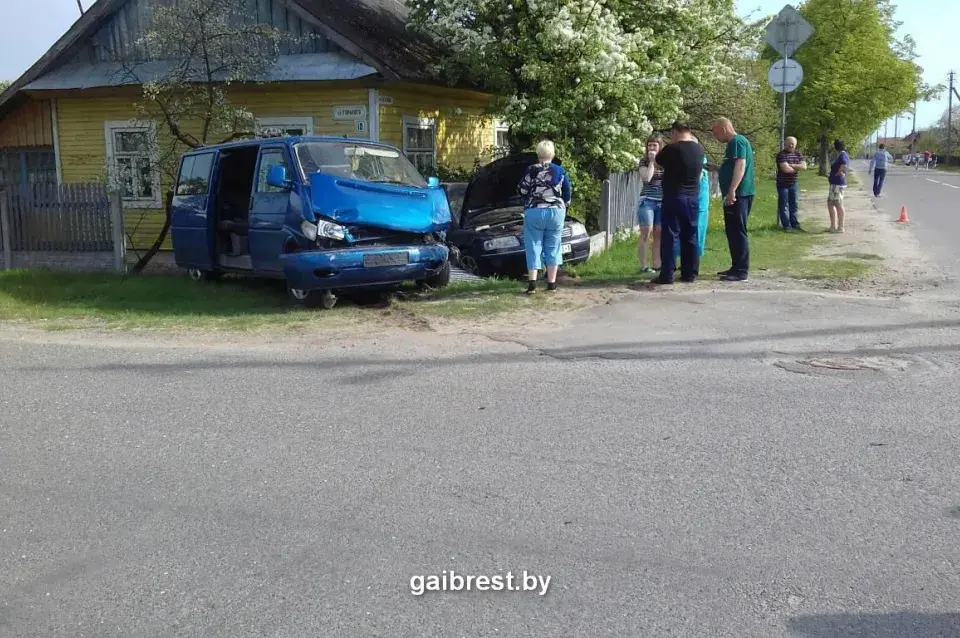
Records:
x=29, y=29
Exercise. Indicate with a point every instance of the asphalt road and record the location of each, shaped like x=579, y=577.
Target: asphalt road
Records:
x=678, y=466
x=932, y=199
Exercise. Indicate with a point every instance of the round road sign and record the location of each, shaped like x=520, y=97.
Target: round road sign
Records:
x=785, y=76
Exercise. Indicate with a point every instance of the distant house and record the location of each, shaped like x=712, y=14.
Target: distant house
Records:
x=69, y=118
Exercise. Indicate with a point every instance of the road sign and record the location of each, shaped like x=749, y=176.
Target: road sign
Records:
x=788, y=31
x=785, y=76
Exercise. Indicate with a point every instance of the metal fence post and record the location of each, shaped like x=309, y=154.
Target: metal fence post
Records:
x=605, y=211
x=119, y=239
x=5, y=232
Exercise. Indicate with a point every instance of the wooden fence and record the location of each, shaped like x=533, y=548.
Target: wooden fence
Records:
x=618, y=205
x=71, y=227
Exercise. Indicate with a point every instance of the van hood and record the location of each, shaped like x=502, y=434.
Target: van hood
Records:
x=400, y=208
x=496, y=185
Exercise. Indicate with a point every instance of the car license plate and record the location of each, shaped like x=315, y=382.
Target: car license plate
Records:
x=386, y=259
x=567, y=248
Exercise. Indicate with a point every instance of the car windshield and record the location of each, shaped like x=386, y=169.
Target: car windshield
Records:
x=362, y=162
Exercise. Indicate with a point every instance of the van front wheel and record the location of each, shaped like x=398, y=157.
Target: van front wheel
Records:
x=439, y=280
x=312, y=298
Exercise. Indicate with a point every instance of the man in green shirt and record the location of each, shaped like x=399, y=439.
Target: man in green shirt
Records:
x=738, y=186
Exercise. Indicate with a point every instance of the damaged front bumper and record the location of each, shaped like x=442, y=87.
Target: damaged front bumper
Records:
x=362, y=266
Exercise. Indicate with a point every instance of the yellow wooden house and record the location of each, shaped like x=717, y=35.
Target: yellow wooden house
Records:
x=360, y=73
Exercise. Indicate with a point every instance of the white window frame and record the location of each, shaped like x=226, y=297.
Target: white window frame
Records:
x=305, y=122
x=132, y=126
x=422, y=124
x=499, y=127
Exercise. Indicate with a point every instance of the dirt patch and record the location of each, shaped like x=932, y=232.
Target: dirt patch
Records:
x=892, y=250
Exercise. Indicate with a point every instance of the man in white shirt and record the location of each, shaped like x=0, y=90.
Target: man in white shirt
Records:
x=878, y=166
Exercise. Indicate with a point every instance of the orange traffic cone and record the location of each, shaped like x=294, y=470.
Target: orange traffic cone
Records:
x=903, y=215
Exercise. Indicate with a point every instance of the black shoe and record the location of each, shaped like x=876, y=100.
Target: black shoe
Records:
x=551, y=286
x=733, y=277
x=688, y=280
x=531, y=287
x=724, y=273
x=660, y=281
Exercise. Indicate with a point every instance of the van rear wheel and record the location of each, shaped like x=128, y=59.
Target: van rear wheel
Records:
x=203, y=275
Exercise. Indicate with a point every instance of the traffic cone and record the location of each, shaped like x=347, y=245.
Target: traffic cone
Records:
x=903, y=215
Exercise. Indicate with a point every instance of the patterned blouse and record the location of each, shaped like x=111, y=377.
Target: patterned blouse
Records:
x=546, y=186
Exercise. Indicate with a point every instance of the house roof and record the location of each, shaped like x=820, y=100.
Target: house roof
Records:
x=374, y=31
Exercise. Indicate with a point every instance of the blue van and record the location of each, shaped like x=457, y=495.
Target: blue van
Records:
x=326, y=214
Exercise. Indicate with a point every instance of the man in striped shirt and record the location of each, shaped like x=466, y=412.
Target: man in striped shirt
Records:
x=789, y=164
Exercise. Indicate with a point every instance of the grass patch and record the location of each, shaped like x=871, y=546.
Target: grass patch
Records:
x=863, y=256
x=66, y=300
x=772, y=251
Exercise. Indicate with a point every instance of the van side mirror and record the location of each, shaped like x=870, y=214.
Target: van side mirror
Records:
x=433, y=182
x=277, y=177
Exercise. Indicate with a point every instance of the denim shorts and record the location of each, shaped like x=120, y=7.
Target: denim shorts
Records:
x=649, y=212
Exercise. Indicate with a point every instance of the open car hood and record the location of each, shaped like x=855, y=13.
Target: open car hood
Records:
x=496, y=185
x=399, y=208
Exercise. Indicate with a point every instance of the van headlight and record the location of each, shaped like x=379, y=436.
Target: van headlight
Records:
x=322, y=229
x=577, y=229
x=499, y=243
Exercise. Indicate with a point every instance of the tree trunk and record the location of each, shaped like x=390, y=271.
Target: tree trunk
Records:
x=824, y=159
x=155, y=248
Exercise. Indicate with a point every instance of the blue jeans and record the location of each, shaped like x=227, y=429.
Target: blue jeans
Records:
x=735, y=223
x=649, y=212
x=542, y=228
x=879, y=174
x=681, y=216
x=787, y=205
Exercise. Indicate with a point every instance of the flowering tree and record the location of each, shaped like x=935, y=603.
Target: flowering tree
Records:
x=595, y=75
x=207, y=46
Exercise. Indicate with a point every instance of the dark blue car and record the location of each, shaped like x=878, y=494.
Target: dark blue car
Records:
x=326, y=214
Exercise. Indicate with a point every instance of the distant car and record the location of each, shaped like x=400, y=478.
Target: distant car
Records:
x=486, y=236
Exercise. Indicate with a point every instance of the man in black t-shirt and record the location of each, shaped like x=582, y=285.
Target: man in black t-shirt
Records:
x=682, y=164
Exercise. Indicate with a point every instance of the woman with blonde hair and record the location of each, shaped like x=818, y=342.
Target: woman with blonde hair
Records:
x=547, y=191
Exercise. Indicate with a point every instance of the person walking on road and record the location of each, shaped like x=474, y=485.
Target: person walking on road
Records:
x=649, y=208
x=838, y=183
x=547, y=191
x=878, y=166
x=789, y=164
x=926, y=160
x=738, y=185
x=682, y=163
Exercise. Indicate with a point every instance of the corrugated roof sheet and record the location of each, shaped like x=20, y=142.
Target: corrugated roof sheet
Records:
x=289, y=68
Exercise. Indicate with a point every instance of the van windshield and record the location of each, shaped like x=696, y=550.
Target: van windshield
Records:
x=362, y=162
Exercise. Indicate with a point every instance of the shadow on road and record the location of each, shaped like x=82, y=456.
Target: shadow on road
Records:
x=894, y=625
x=675, y=350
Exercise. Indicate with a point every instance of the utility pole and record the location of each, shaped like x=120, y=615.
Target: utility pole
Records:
x=950, y=119
x=896, y=124
x=80, y=6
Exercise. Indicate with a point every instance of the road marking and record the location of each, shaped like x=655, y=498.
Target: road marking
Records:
x=950, y=185
x=934, y=181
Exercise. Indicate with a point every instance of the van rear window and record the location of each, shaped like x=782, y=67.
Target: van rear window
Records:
x=195, y=175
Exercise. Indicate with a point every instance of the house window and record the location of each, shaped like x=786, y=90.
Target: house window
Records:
x=132, y=158
x=500, y=142
x=27, y=166
x=284, y=126
x=420, y=143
